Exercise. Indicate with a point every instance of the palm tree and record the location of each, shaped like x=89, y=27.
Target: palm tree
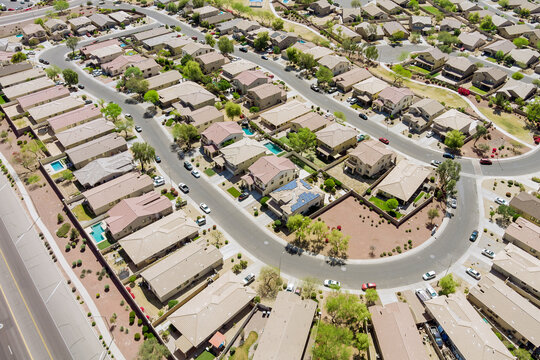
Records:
x=144, y=153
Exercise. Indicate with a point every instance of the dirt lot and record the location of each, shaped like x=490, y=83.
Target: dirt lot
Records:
x=355, y=182
x=507, y=147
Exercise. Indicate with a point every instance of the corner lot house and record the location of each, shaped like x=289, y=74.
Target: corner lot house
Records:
x=287, y=331
x=396, y=334
x=56, y=28
x=421, y=114
x=106, y=54
x=219, y=133
x=393, y=100
x=514, y=89
x=209, y=310
x=247, y=80
x=180, y=269
x=335, y=139
x=89, y=131
x=525, y=235
x=159, y=238
x=370, y=158
x=296, y=197
x=470, y=335
x=268, y=173
x=366, y=90
x=489, y=78
x=282, y=115
x=337, y=64
x=527, y=205
x=105, y=196
x=404, y=181
x=431, y=60
x=104, y=169
x=34, y=33
x=239, y=156
x=132, y=214
x=266, y=95
x=104, y=146
x=453, y=120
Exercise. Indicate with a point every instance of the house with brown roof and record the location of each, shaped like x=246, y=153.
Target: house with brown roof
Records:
x=404, y=181
x=394, y=100
x=515, y=89
x=458, y=69
x=239, y=156
x=209, y=311
x=392, y=27
x=432, y=59
x=245, y=26
x=321, y=8
x=345, y=81
x=489, y=78
x=319, y=52
x=73, y=118
x=296, y=197
x=249, y=79
x=389, y=6
x=287, y=331
x=472, y=41
x=204, y=117
x=102, y=21
x=266, y=95
x=14, y=92
x=269, y=173
x=106, y=54
x=421, y=114
x=195, y=49
x=527, y=205
x=336, y=64
x=188, y=93
x=176, y=272
x=500, y=21
x=81, y=24
x=20, y=77
x=211, y=61
x=283, y=39
x=206, y=12
x=15, y=68
x=468, y=334
x=365, y=91
x=48, y=110
x=103, y=146
x=120, y=64
x=87, y=50
x=524, y=58
x=149, y=67
x=164, y=80
x=505, y=46
x=42, y=97
x=453, y=120
x=372, y=11
x=159, y=238
x=103, y=197
x=104, y=169
x=312, y=120
x=449, y=24
x=121, y=17
x=513, y=31
x=89, y=131
x=525, y=235
x=335, y=139
x=346, y=32
x=132, y=214
x=468, y=7
x=420, y=24
x=141, y=36
x=219, y=133
x=350, y=15
x=281, y=116
x=396, y=334
x=369, y=31
x=56, y=29
x=33, y=33
x=370, y=158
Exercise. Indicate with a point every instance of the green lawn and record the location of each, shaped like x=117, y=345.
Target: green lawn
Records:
x=477, y=90
x=432, y=10
x=301, y=164
x=508, y=122
x=170, y=196
x=2, y=101
x=418, y=69
x=242, y=352
x=420, y=196
x=381, y=204
x=285, y=140
x=233, y=191
x=210, y=172
x=82, y=213
x=492, y=59
x=205, y=356
x=103, y=244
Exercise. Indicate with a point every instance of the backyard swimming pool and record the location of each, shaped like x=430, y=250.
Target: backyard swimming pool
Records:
x=57, y=165
x=97, y=233
x=273, y=148
x=247, y=131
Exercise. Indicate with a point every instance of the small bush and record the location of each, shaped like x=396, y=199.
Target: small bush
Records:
x=137, y=337
x=63, y=230
x=172, y=303
x=97, y=296
x=59, y=218
x=139, y=322
x=107, y=287
x=132, y=278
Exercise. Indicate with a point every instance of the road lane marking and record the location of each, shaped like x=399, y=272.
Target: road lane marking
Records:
x=26, y=305
x=16, y=324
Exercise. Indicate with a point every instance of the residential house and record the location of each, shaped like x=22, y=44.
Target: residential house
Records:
x=392, y=27
x=269, y=173
x=525, y=235
x=421, y=114
x=46, y=111
x=159, y=238
x=249, y=79
x=369, y=31
x=296, y=197
x=505, y=46
x=191, y=264
x=203, y=117
x=515, y=89
x=319, y=52
x=266, y=95
x=5, y=57
x=56, y=28
x=472, y=41
x=527, y=205
x=14, y=92
x=121, y=17
x=394, y=100
x=312, y=120
x=351, y=15
x=337, y=64
x=235, y=68
x=458, y=69
x=73, y=118
x=164, y=80
x=188, y=93
x=245, y=26
x=335, y=139
x=395, y=332
x=219, y=18
x=20, y=77
x=132, y=214
x=88, y=49
x=513, y=31
x=489, y=78
x=521, y=269
x=449, y=24
x=89, y=131
x=366, y=90
x=344, y=82
x=404, y=181
x=175, y=45
x=533, y=36
x=102, y=21
x=104, y=169
x=454, y=120
x=8, y=45
x=287, y=331
x=106, y=54
x=159, y=42
x=281, y=116
x=524, y=57
x=420, y=24
x=239, y=156
x=321, y=8
x=469, y=336
x=283, y=39
x=10, y=69
x=432, y=59
x=372, y=11
x=516, y=3
x=42, y=97
x=211, y=61
x=104, y=146
x=370, y=158
x=500, y=21
x=195, y=49
x=468, y=7
x=509, y=310
x=81, y=25
x=141, y=36
x=33, y=33
x=206, y=12
x=120, y=64
x=389, y=6
x=209, y=311
x=103, y=197
x=346, y=32
x=219, y=134
x=149, y=67
x=533, y=8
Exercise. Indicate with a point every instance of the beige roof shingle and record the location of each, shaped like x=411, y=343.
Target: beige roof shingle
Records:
x=336, y=134
x=96, y=147
x=43, y=112
x=285, y=113
x=219, y=131
x=242, y=150
x=525, y=232
x=371, y=151
x=268, y=167
x=519, y=264
x=454, y=119
x=84, y=131
x=403, y=181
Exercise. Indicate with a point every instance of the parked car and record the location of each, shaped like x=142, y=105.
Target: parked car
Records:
x=290, y=287
x=422, y=295
x=249, y=279
x=158, y=181
x=489, y=253
x=244, y=49
x=80, y=86
x=486, y=162
x=138, y=128
x=204, y=208
x=448, y=156
x=360, y=137
x=329, y=283
x=157, y=158
x=183, y=187
x=501, y=201
x=264, y=57
x=536, y=139
x=332, y=90
x=363, y=116
x=188, y=165
x=436, y=163
x=196, y=173
x=453, y=203
x=429, y=134
x=384, y=140
x=243, y=196
x=87, y=102
x=474, y=273
x=474, y=235
x=194, y=38
x=201, y=221
x=431, y=292
x=436, y=335
x=314, y=88
x=366, y=286
x=429, y=275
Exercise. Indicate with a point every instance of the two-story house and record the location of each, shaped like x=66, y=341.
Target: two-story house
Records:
x=269, y=173
x=238, y=157
x=56, y=28
x=489, y=78
x=266, y=95
x=33, y=33
x=249, y=79
x=421, y=114
x=218, y=134
x=337, y=64
x=432, y=59
x=335, y=139
x=370, y=158
x=393, y=100
x=420, y=24
x=458, y=69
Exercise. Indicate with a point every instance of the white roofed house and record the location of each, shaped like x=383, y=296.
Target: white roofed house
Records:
x=269, y=173
x=104, y=169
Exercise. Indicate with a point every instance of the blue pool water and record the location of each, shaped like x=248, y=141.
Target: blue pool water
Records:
x=122, y=45
x=97, y=233
x=301, y=41
x=57, y=165
x=247, y=131
x=273, y=148
x=285, y=1
x=19, y=36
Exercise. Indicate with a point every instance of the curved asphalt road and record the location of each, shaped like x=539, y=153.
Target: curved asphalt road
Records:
x=389, y=272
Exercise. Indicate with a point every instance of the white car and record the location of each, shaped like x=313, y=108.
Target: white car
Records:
x=474, y=273
x=205, y=208
x=158, y=181
x=453, y=203
x=329, y=283
x=429, y=134
x=249, y=278
x=290, y=287
x=183, y=187
x=196, y=173
x=489, y=253
x=429, y=275
x=431, y=291
x=436, y=163
x=501, y=201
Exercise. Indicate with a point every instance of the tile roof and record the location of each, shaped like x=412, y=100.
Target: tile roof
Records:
x=168, y=77
x=219, y=131
x=268, y=167
x=403, y=181
x=336, y=134
x=520, y=265
x=73, y=117
x=44, y=111
x=312, y=120
x=394, y=94
x=525, y=232
x=247, y=78
x=284, y=113
x=527, y=203
x=371, y=151
x=243, y=150
x=98, y=170
x=96, y=147
x=84, y=131
x=38, y=97
x=454, y=119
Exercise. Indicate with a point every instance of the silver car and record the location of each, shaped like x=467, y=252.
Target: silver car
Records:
x=474, y=273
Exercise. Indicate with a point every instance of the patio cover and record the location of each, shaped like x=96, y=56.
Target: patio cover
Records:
x=219, y=160
x=218, y=340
